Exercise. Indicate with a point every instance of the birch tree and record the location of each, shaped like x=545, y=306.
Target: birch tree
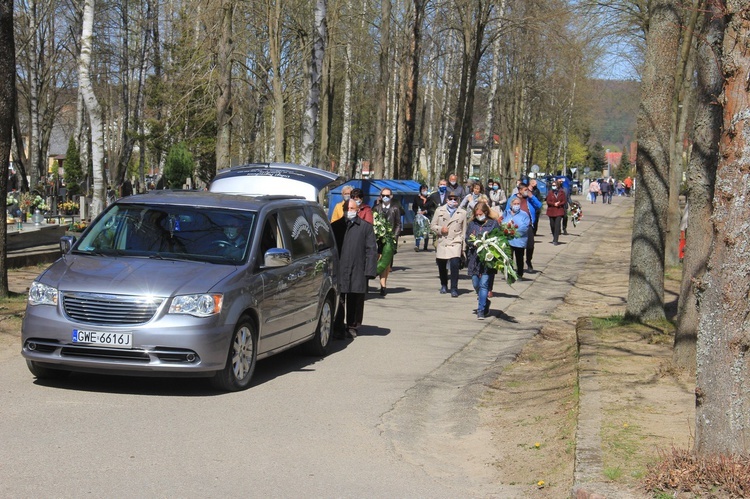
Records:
x=224, y=101
x=93, y=108
x=310, y=117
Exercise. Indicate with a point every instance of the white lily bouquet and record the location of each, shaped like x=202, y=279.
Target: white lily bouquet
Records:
x=495, y=252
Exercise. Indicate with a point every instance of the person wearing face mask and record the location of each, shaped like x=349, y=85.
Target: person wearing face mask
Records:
x=358, y=259
x=518, y=243
x=365, y=212
x=476, y=196
x=556, y=202
x=423, y=208
x=338, y=210
x=480, y=275
x=458, y=190
x=497, y=197
x=531, y=205
x=440, y=196
x=391, y=211
x=449, y=223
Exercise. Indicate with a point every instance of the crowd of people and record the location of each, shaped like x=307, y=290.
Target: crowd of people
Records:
x=453, y=217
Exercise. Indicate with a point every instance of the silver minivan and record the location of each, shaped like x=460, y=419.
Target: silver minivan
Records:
x=183, y=283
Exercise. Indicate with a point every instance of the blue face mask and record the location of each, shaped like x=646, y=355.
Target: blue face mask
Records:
x=443, y=188
x=495, y=187
x=515, y=208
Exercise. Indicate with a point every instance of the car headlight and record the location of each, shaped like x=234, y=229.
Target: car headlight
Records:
x=202, y=305
x=41, y=294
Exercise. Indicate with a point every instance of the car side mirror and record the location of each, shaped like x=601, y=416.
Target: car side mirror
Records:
x=277, y=257
x=67, y=242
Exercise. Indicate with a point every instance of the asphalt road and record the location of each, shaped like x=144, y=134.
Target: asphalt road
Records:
x=390, y=414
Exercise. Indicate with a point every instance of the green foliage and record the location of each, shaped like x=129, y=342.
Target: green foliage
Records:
x=73, y=172
x=178, y=166
x=596, y=159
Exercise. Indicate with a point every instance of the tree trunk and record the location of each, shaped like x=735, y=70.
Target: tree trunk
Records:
x=7, y=117
x=224, y=101
x=346, y=115
x=92, y=105
x=274, y=35
x=34, y=167
x=683, y=84
x=486, y=161
x=410, y=91
x=723, y=376
x=646, y=288
x=701, y=181
x=310, y=118
x=378, y=158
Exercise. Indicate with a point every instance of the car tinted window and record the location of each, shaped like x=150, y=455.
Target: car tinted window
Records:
x=322, y=229
x=298, y=231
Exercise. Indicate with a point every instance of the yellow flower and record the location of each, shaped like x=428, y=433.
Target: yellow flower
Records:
x=537, y=445
x=624, y=425
x=540, y=483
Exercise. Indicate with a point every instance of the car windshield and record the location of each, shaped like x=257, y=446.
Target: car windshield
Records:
x=170, y=232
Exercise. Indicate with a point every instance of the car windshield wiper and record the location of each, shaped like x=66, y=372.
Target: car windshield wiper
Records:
x=101, y=252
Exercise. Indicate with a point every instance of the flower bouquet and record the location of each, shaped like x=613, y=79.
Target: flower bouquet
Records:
x=384, y=236
x=495, y=252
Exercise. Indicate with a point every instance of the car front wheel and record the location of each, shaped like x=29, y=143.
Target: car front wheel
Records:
x=241, y=358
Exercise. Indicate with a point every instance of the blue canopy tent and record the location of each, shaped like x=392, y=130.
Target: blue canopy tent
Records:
x=404, y=192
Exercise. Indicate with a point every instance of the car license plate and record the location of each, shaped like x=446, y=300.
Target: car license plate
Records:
x=115, y=340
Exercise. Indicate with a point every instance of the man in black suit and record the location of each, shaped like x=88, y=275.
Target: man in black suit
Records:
x=440, y=196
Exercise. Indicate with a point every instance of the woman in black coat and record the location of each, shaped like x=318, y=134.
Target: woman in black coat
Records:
x=358, y=261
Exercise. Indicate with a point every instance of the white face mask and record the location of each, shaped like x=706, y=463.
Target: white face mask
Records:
x=386, y=199
x=358, y=201
x=347, y=197
x=351, y=215
x=452, y=203
x=481, y=218
x=424, y=193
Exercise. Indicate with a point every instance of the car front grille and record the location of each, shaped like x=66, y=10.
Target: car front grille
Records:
x=98, y=308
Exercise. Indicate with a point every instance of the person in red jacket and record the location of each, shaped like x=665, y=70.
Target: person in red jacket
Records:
x=556, y=210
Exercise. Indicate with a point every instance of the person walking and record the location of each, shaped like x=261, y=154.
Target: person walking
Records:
x=364, y=211
x=476, y=196
x=423, y=208
x=458, y=190
x=480, y=223
x=392, y=213
x=604, y=190
x=594, y=191
x=534, y=190
x=449, y=223
x=440, y=196
x=340, y=208
x=525, y=227
x=529, y=204
x=497, y=197
x=358, y=260
x=556, y=201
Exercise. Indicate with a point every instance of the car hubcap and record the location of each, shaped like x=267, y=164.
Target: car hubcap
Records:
x=325, y=324
x=243, y=353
